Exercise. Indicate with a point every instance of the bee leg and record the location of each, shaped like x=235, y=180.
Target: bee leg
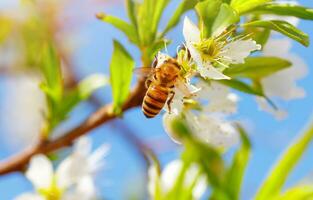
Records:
x=170, y=100
x=148, y=82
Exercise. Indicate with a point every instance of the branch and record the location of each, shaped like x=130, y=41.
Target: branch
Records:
x=19, y=161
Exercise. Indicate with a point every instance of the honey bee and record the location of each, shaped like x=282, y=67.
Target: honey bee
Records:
x=160, y=82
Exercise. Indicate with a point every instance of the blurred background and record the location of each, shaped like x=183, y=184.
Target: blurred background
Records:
x=85, y=44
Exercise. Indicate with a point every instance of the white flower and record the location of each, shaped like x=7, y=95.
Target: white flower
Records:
x=213, y=130
x=24, y=106
x=209, y=124
x=215, y=50
x=283, y=84
x=162, y=184
x=73, y=177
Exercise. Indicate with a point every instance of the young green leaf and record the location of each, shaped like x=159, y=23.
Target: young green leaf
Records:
x=235, y=173
x=303, y=192
x=282, y=27
x=257, y=67
x=207, y=12
x=53, y=84
x=121, y=69
x=128, y=29
x=226, y=17
x=285, y=10
x=131, y=11
x=159, y=6
x=184, y=6
x=279, y=174
x=83, y=91
x=242, y=6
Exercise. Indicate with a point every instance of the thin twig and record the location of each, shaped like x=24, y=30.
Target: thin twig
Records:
x=19, y=161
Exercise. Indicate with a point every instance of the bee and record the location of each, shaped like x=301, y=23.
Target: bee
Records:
x=161, y=80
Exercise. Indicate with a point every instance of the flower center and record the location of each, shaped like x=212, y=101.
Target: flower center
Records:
x=209, y=49
x=51, y=193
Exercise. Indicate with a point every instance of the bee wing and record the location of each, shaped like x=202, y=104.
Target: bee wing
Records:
x=144, y=71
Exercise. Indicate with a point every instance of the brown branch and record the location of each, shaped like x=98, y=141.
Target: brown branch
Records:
x=19, y=161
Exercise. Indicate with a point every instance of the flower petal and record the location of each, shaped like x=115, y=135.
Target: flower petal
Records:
x=219, y=98
x=71, y=170
x=214, y=131
x=84, y=190
x=190, y=31
x=235, y=52
x=95, y=160
x=40, y=171
x=279, y=114
x=83, y=146
x=211, y=72
x=29, y=196
x=170, y=174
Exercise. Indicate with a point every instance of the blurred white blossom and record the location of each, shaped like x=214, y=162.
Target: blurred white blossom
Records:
x=73, y=178
x=162, y=184
x=283, y=84
x=24, y=106
x=219, y=49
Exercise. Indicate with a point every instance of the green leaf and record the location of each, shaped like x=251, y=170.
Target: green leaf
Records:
x=241, y=86
x=128, y=29
x=235, y=173
x=121, y=69
x=81, y=92
x=279, y=174
x=158, y=8
x=257, y=67
x=207, y=12
x=149, y=14
x=285, y=10
x=303, y=192
x=282, y=27
x=242, y=6
x=261, y=36
x=131, y=11
x=226, y=17
x=184, y=6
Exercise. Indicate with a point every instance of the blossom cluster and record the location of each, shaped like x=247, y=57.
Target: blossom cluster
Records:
x=73, y=178
x=207, y=105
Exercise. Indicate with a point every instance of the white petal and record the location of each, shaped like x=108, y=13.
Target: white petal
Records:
x=235, y=52
x=277, y=113
x=190, y=31
x=96, y=159
x=83, y=146
x=73, y=168
x=219, y=98
x=214, y=131
x=161, y=58
x=192, y=175
x=283, y=84
x=29, y=196
x=170, y=174
x=277, y=47
x=40, y=171
x=153, y=180
x=211, y=72
x=84, y=190
x=200, y=187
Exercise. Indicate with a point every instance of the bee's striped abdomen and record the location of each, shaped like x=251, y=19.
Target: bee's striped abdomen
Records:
x=154, y=100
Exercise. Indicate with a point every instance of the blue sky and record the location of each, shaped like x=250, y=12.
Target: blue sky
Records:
x=123, y=170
